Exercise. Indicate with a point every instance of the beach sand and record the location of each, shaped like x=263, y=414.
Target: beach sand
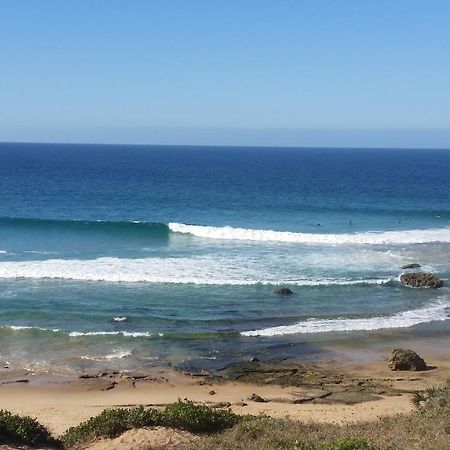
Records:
x=60, y=402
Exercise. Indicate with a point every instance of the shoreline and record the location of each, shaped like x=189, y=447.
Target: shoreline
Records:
x=342, y=391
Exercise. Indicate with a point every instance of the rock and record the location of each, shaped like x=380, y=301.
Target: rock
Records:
x=283, y=291
x=411, y=266
x=402, y=359
x=302, y=397
x=20, y=380
x=221, y=405
x=256, y=398
x=418, y=279
x=212, y=392
x=240, y=404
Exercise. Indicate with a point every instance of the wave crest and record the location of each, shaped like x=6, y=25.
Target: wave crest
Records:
x=362, y=238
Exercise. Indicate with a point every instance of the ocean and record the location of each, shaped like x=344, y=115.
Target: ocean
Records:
x=130, y=257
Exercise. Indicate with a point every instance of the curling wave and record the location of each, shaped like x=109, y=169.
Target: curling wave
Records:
x=435, y=312
x=362, y=238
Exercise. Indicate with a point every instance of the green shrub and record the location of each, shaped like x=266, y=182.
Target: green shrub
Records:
x=350, y=443
x=182, y=415
x=111, y=423
x=23, y=430
x=198, y=418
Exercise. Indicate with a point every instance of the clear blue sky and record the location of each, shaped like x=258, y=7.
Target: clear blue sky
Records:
x=278, y=72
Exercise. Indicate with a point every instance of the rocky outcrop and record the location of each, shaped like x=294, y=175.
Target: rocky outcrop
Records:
x=256, y=398
x=419, y=279
x=411, y=266
x=402, y=359
x=283, y=291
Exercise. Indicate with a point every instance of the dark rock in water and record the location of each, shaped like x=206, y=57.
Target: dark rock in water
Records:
x=411, y=266
x=283, y=291
x=418, y=279
x=402, y=359
x=257, y=398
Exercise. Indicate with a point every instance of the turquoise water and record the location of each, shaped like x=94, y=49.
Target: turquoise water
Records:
x=126, y=257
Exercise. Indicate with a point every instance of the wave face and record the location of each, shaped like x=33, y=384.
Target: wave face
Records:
x=363, y=238
x=105, y=226
x=436, y=312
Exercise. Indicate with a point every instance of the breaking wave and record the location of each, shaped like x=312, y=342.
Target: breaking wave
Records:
x=435, y=312
x=362, y=238
x=163, y=230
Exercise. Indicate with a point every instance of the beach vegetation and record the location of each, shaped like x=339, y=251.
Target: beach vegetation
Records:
x=426, y=427
x=350, y=443
x=24, y=430
x=184, y=415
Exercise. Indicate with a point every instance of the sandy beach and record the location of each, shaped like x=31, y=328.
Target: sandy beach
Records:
x=348, y=392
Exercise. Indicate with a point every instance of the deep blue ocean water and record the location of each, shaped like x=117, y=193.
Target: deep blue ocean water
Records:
x=188, y=244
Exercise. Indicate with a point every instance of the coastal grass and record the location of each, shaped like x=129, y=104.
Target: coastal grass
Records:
x=24, y=430
x=426, y=428
x=396, y=433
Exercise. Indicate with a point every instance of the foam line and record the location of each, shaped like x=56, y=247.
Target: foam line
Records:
x=436, y=312
x=201, y=271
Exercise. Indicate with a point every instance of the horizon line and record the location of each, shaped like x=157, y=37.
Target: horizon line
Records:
x=310, y=147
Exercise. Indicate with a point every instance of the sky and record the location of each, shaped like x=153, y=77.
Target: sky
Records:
x=226, y=72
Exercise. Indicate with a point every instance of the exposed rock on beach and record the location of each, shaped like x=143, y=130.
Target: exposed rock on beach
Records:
x=402, y=359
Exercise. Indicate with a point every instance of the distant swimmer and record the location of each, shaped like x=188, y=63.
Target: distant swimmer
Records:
x=318, y=224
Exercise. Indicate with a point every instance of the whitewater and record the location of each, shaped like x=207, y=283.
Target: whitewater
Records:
x=365, y=238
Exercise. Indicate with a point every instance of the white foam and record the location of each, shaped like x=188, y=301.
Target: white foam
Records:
x=114, y=333
x=85, y=333
x=196, y=270
x=120, y=319
x=120, y=354
x=3, y=252
x=363, y=238
x=20, y=328
x=435, y=312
